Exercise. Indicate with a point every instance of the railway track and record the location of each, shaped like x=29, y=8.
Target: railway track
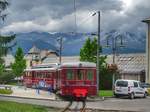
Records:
x=83, y=109
x=67, y=108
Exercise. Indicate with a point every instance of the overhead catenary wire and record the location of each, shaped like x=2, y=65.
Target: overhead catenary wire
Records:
x=84, y=20
x=75, y=19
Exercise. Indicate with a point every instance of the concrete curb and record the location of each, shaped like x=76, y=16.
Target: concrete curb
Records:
x=113, y=110
x=89, y=100
x=26, y=97
x=99, y=99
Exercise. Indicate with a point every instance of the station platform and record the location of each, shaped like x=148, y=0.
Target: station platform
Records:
x=21, y=91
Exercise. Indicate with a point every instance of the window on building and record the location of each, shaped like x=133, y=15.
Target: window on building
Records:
x=70, y=74
x=89, y=75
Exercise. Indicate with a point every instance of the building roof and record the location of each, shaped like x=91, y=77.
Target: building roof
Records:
x=34, y=50
x=64, y=59
x=131, y=63
x=147, y=20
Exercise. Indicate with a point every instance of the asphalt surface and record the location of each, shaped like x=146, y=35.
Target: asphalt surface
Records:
x=119, y=104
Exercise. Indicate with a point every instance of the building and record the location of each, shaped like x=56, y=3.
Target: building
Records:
x=132, y=66
x=147, y=50
x=33, y=57
x=36, y=56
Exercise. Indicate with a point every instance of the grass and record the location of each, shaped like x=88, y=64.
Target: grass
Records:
x=105, y=93
x=12, y=82
x=5, y=91
x=7, y=106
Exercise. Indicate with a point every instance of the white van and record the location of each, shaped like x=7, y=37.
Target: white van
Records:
x=131, y=88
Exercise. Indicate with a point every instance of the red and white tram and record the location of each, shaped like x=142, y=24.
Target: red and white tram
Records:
x=47, y=73
x=76, y=79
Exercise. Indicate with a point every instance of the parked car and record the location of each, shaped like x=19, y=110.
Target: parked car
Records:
x=146, y=86
x=130, y=88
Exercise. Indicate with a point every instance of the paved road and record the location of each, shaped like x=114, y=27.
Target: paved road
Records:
x=137, y=105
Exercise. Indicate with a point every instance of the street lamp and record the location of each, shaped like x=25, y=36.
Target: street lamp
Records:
x=98, y=52
x=114, y=50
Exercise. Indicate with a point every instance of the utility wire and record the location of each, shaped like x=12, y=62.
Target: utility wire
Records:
x=85, y=20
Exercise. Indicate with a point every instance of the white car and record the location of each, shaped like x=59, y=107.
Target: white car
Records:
x=130, y=88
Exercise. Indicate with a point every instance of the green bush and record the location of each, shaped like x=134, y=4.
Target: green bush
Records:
x=5, y=91
x=105, y=79
x=6, y=77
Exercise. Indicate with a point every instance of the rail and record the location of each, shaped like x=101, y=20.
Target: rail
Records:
x=83, y=109
x=67, y=108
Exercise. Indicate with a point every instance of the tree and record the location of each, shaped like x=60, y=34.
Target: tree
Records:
x=5, y=45
x=6, y=77
x=88, y=53
x=4, y=40
x=1, y=69
x=20, y=63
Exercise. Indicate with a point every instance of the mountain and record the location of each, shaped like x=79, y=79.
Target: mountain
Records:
x=133, y=42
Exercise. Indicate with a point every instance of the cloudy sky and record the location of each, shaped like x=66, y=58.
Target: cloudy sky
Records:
x=59, y=15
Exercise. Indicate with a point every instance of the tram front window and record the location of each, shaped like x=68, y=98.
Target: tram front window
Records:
x=89, y=75
x=70, y=74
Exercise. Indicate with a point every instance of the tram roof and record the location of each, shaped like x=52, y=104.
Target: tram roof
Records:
x=78, y=64
x=52, y=65
x=40, y=69
x=57, y=66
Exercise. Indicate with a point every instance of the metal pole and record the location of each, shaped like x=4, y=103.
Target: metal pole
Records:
x=60, y=50
x=98, y=51
x=114, y=53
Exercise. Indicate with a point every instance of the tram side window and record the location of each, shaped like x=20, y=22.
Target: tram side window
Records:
x=89, y=75
x=40, y=75
x=48, y=75
x=70, y=75
x=28, y=74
